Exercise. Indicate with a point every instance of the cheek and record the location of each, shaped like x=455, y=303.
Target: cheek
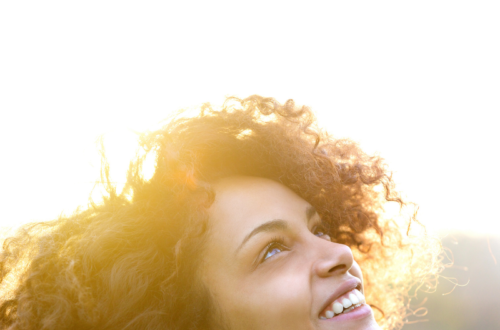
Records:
x=276, y=298
x=356, y=271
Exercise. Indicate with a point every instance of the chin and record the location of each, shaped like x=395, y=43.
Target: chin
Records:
x=372, y=326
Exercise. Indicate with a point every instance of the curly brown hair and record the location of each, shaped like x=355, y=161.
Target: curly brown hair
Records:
x=130, y=261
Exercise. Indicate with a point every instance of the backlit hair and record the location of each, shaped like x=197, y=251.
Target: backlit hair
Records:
x=130, y=261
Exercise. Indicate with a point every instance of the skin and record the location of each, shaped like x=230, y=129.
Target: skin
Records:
x=258, y=285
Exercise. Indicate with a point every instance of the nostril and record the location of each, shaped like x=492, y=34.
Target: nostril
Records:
x=337, y=268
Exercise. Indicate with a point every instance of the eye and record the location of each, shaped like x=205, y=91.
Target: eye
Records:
x=273, y=248
x=272, y=251
x=320, y=231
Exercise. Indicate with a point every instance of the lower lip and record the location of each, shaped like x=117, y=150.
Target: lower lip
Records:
x=356, y=314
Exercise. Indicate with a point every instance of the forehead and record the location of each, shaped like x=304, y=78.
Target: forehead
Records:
x=242, y=203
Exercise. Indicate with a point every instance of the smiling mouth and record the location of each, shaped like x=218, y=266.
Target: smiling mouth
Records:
x=343, y=305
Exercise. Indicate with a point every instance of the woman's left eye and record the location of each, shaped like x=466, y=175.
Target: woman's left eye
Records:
x=320, y=232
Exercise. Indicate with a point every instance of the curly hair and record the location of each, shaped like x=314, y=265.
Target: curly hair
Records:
x=130, y=261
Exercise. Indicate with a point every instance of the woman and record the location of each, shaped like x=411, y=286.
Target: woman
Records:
x=254, y=219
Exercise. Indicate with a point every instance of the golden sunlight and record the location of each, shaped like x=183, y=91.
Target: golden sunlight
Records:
x=420, y=95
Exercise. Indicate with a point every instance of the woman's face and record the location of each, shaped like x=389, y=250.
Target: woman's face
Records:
x=269, y=265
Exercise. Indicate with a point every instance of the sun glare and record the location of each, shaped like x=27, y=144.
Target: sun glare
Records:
x=421, y=93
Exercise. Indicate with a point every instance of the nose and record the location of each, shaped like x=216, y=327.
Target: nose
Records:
x=332, y=259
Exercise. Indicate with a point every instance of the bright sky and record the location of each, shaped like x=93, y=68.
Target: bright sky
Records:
x=417, y=82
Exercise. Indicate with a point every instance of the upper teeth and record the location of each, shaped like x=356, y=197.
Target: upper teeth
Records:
x=338, y=307
x=352, y=298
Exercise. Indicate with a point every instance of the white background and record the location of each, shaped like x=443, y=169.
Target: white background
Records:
x=417, y=82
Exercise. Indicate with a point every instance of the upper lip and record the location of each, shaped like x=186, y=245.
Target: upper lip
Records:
x=346, y=286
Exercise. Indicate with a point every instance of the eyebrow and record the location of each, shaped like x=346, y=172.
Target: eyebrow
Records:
x=275, y=225
x=310, y=212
